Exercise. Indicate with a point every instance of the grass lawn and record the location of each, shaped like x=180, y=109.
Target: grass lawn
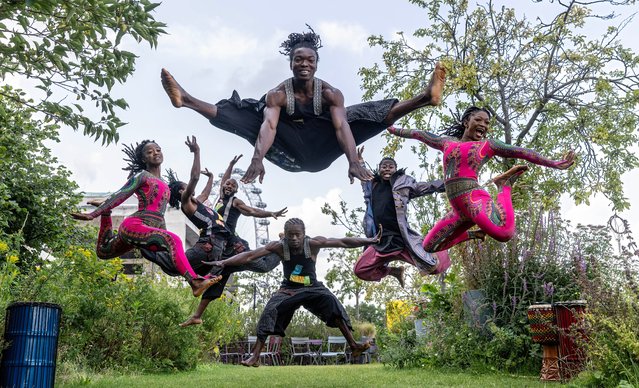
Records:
x=375, y=375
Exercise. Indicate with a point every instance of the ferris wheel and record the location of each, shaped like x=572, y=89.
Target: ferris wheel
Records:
x=252, y=194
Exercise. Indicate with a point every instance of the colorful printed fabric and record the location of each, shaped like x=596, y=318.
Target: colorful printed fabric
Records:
x=144, y=228
x=470, y=204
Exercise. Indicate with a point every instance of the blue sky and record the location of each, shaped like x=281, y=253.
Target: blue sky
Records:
x=214, y=47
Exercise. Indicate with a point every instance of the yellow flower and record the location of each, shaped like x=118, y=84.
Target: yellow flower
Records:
x=12, y=259
x=3, y=247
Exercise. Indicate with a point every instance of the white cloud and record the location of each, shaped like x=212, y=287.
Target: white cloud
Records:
x=213, y=42
x=346, y=36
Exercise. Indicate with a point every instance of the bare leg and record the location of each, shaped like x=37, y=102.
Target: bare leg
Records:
x=196, y=318
x=180, y=98
x=254, y=360
x=356, y=348
x=398, y=273
x=432, y=96
x=509, y=177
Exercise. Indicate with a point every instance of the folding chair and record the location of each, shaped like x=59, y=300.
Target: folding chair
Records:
x=252, y=339
x=273, y=347
x=365, y=358
x=335, y=348
x=232, y=353
x=300, y=348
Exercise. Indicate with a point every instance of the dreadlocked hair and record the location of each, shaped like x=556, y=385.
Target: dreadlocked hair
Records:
x=175, y=185
x=296, y=40
x=135, y=157
x=457, y=129
x=293, y=221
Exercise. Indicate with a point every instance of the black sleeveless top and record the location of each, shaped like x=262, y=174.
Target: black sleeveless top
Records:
x=234, y=213
x=207, y=220
x=299, y=271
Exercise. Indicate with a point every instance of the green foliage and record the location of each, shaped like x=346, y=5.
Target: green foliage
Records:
x=110, y=321
x=368, y=312
x=400, y=348
x=35, y=192
x=73, y=48
x=451, y=341
x=305, y=324
x=549, y=85
x=613, y=311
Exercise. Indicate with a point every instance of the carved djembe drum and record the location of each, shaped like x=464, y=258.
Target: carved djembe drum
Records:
x=571, y=329
x=543, y=329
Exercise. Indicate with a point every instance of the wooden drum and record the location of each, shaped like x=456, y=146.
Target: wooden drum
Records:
x=542, y=324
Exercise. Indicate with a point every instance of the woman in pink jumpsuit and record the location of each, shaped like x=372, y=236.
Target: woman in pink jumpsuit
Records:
x=144, y=228
x=464, y=155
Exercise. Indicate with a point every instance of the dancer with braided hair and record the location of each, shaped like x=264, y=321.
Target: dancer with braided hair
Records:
x=302, y=124
x=300, y=287
x=216, y=240
x=466, y=150
x=145, y=228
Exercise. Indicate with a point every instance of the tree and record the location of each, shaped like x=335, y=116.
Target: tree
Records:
x=549, y=86
x=71, y=48
x=35, y=192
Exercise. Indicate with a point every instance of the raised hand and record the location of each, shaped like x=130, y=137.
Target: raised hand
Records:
x=568, y=160
x=235, y=159
x=206, y=173
x=192, y=144
x=355, y=170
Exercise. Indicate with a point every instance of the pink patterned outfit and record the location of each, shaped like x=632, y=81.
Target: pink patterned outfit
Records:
x=144, y=228
x=470, y=204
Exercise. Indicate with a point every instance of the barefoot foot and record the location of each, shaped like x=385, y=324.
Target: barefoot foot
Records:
x=358, y=349
x=435, y=88
x=509, y=177
x=200, y=285
x=252, y=361
x=173, y=89
x=191, y=321
x=398, y=273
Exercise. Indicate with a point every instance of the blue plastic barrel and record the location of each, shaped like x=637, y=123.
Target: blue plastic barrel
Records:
x=31, y=331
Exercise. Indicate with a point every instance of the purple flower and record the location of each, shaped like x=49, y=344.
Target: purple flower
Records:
x=549, y=289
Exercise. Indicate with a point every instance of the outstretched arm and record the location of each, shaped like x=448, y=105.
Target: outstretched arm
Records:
x=510, y=151
x=345, y=135
x=228, y=172
x=345, y=242
x=248, y=256
x=430, y=139
x=115, y=199
x=425, y=188
x=249, y=211
x=195, y=171
x=266, y=135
